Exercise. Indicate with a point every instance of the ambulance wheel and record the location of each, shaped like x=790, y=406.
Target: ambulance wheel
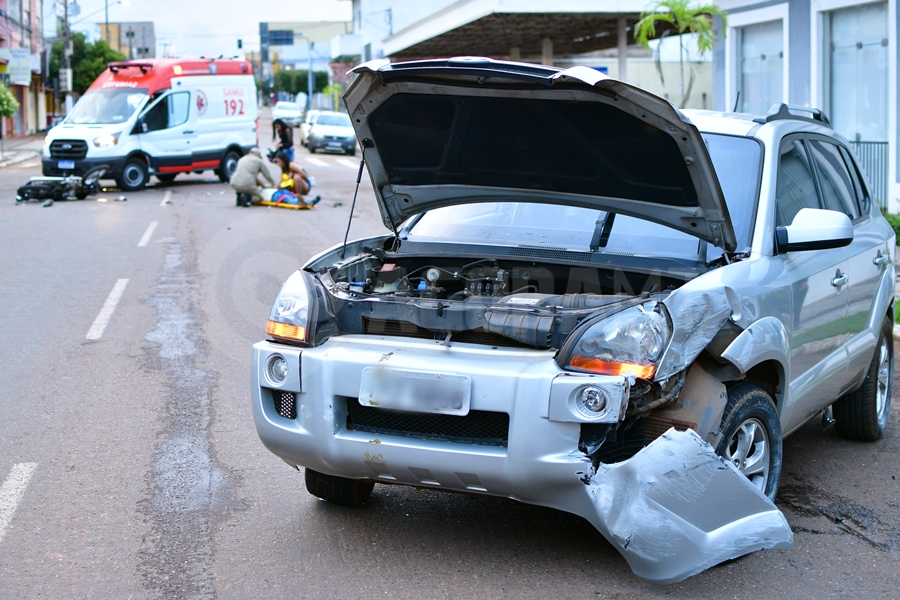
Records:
x=166, y=177
x=229, y=166
x=134, y=175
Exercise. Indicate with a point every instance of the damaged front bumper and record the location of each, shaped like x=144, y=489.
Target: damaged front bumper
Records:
x=672, y=510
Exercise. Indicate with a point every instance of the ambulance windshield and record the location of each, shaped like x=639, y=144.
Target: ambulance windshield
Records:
x=106, y=106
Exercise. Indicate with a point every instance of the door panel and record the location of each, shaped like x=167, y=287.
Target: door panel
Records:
x=169, y=132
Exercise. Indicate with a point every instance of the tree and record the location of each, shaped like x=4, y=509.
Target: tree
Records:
x=88, y=60
x=8, y=107
x=294, y=82
x=684, y=18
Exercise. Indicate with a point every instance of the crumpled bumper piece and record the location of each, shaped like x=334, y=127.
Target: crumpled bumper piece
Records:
x=676, y=509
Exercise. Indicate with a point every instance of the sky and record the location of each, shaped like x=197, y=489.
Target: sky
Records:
x=198, y=27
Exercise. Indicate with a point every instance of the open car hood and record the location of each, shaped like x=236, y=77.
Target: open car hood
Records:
x=443, y=132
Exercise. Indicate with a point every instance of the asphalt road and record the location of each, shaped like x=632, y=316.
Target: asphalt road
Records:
x=137, y=473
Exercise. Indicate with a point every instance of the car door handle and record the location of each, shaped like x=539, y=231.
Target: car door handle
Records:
x=879, y=259
x=839, y=280
x=188, y=132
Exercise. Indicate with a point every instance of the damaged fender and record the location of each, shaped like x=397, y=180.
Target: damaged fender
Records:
x=697, y=313
x=676, y=509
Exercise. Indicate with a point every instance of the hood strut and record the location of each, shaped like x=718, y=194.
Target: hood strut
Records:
x=366, y=143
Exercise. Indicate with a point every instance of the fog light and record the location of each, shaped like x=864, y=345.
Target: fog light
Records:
x=277, y=368
x=591, y=401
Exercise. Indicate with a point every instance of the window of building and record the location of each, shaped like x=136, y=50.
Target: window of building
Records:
x=857, y=78
x=281, y=38
x=760, y=66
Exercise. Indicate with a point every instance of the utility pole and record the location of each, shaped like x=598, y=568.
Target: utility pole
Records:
x=67, y=56
x=309, y=72
x=130, y=35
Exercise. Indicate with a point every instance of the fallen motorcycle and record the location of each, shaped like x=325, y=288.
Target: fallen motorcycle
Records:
x=71, y=187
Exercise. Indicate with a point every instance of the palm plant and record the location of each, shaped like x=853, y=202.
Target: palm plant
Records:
x=683, y=17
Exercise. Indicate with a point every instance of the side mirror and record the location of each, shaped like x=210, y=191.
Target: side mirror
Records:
x=814, y=229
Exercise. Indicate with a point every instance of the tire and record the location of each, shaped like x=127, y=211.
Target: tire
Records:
x=338, y=490
x=311, y=148
x=863, y=415
x=751, y=437
x=229, y=166
x=80, y=196
x=351, y=152
x=166, y=177
x=134, y=175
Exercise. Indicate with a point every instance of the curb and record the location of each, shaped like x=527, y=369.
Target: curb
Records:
x=20, y=157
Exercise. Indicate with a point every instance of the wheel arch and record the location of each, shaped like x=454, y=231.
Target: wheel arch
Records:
x=760, y=355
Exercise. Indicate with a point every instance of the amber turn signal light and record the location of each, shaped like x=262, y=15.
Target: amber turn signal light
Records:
x=283, y=330
x=605, y=367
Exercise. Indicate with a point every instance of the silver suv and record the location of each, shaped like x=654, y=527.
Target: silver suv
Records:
x=587, y=300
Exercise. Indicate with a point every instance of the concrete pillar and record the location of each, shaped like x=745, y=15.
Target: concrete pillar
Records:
x=623, y=45
x=547, y=51
x=515, y=53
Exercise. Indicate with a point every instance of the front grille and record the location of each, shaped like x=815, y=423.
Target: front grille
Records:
x=655, y=426
x=478, y=427
x=68, y=149
x=285, y=404
x=407, y=329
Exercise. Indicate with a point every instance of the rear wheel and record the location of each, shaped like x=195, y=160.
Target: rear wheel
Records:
x=134, y=175
x=228, y=166
x=166, y=177
x=751, y=437
x=311, y=148
x=338, y=490
x=863, y=414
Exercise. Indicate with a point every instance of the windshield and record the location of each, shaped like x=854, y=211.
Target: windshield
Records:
x=737, y=164
x=108, y=105
x=338, y=120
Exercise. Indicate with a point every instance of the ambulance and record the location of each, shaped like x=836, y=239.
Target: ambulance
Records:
x=158, y=117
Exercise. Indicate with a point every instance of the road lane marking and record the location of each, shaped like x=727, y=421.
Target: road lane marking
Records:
x=317, y=161
x=165, y=199
x=347, y=163
x=12, y=492
x=148, y=234
x=100, y=323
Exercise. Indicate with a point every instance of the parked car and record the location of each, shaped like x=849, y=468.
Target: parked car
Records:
x=331, y=131
x=307, y=124
x=289, y=112
x=588, y=300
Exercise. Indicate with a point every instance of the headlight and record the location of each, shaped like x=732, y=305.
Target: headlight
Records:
x=630, y=342
x=107, y=140
x=292, y=314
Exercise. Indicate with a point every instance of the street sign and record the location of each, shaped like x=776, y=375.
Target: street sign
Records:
x=65, y=80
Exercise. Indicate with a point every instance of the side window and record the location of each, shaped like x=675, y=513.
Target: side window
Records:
x=170, y=112
x=834, y=179
x=795, y=187
x=179, y=108
x=859, y=185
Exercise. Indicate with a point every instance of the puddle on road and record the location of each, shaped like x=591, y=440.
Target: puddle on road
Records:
x=176, y=558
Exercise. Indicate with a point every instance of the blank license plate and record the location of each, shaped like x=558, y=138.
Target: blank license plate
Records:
x=66, y=164
x=436, y=393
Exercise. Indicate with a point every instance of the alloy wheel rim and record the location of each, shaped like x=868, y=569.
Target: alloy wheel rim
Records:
x=748, y=450
x=884, y=379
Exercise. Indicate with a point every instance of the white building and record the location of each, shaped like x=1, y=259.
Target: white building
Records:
x=837, y=55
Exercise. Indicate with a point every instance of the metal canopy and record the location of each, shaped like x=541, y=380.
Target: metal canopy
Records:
x=493, y=35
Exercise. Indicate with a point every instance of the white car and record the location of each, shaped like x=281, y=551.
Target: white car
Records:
x=307, y=124
x=331, y=131
x=289, y=112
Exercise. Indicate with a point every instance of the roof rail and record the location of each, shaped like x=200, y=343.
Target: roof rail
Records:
x=782, y=111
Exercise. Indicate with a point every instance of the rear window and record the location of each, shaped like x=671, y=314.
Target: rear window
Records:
x=336, y=120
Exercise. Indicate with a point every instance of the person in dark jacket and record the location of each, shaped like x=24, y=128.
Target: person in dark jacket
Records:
x=285, y=135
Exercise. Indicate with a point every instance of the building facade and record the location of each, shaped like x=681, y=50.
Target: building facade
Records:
x=290, y=45
x=135, y=39
x=836, y=55
x=22, y=65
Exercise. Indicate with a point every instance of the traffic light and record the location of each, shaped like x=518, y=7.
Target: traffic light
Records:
x=240, y=44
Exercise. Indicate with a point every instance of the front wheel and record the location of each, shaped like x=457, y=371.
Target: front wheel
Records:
x=338, y=490
x=862, y=415
x=166, y=177
x=134, y=175
x=751, y=437
x=228, y=166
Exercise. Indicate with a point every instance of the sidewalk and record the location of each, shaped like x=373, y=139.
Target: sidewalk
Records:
x=16, y=150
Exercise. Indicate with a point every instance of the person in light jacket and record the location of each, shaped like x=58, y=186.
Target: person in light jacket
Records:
x=246, y=179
